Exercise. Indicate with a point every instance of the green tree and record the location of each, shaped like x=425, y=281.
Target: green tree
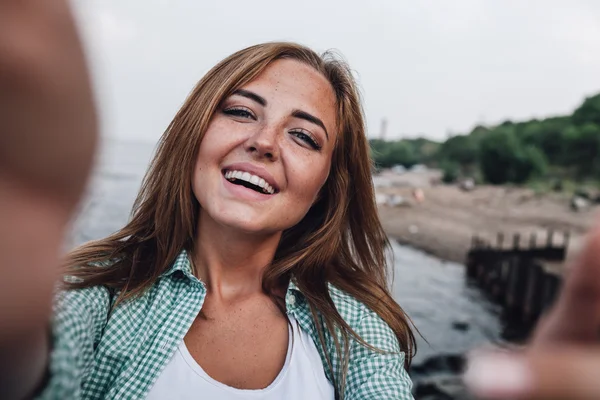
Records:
x=460, y=149
x=450, y=171
x=424, y=149
x=503, y=158
x=567, y=146
x=583, y=149
x=387, y=154
x=588, y=112
x=479, y=132
x=548, y=136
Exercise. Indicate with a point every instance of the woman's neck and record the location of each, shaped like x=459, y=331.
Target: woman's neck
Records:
x=231, y=263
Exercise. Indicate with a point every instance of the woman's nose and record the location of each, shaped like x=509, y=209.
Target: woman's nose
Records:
x=264, y=144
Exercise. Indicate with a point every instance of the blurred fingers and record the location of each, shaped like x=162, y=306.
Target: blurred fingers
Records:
x=576, y=316
x=565, y=373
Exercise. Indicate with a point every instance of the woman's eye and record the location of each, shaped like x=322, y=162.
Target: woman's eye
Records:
x=239, y=112
x=306, y=138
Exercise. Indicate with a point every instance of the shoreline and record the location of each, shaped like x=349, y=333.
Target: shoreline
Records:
x=432, y=251
x=443, y=221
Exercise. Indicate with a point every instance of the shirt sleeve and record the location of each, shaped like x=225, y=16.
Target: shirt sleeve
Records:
x=78, y=321
x=375, y=375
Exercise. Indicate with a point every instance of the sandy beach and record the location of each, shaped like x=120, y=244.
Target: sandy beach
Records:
x=446, y=219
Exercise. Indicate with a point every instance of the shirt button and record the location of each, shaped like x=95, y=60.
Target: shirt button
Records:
x=291, y=299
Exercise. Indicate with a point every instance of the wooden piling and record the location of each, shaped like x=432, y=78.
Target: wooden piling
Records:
x=533, y=294
x=532, y=241
x=516, y=277
x=550, y=239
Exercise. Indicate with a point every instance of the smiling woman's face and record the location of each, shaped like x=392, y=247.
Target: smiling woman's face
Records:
x=267, y=151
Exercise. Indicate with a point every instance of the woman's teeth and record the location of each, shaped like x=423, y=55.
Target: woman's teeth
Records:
x=248, y=177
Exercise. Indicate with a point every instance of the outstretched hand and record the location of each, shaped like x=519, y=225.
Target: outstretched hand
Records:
x=48, y=135
x=563, y=359
x=47, y=115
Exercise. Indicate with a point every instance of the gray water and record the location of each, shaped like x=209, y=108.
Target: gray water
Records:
x=452, y=317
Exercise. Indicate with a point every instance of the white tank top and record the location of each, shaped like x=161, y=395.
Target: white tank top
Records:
x=302, y=376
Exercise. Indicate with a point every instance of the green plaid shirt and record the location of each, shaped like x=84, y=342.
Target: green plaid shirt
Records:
x=96, y=357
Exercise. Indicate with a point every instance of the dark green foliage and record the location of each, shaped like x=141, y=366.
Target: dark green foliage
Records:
x=588, y=112
x=504, y=159
x=547, y=135
x=563, y=147
x=406, y=152
x=388, y=154
x=450, y=172
x=460, y=149
x=582, y=149
x=479, y=131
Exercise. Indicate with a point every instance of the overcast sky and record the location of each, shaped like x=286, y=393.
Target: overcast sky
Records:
x=428, y=66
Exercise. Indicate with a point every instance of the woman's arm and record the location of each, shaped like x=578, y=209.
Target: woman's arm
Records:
x=78, y=323
x=47, y=138
x=47, y=115
x=371, y=374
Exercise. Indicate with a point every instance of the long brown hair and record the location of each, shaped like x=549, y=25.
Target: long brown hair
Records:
x=339, y=242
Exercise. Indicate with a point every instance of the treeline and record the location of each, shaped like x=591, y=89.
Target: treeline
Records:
x=566, y=147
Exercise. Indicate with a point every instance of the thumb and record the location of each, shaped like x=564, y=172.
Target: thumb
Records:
x=576, y=314
x=565, y=373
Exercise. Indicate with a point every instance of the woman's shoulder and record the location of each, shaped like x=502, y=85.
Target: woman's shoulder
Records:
x=364, y=321
x=74, y=308
x=70, y=291
x=376, y=362
x=352, y=310
x=96, y=295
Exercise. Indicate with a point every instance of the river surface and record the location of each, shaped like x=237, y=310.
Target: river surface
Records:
x=452, y=317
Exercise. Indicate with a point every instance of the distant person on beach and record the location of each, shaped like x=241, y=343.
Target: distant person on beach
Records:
x=253, y=265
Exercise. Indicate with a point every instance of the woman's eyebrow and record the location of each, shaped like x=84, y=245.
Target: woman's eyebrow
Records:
x=252, y=96
x=310, y=118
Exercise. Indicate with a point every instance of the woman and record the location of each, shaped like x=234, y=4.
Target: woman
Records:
x=257, y=213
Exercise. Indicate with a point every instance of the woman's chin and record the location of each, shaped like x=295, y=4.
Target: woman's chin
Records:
x=247, y=225
x=244, y=220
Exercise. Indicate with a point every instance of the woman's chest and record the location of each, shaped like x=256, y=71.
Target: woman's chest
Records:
x=244, y=347
x=302, y=376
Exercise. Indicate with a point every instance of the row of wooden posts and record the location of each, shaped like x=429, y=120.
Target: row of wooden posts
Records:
x=518, y=276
